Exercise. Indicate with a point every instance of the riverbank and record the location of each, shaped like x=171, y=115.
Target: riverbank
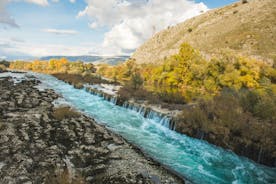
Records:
x=109, y=91
x=220, y=135
x=41, y=143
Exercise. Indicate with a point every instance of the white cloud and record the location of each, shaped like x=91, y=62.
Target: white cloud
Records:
x=5, y=17
x=12, y=48
x=38, y=2
x=60, y=31
x=132, y=22
x=83, y=12
x=72, y=1
x=3, y=57
x=93, y=25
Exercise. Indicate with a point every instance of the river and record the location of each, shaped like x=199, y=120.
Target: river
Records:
x=194, y=159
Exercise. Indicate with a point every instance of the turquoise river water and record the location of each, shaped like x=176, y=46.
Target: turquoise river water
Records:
x=196, y=160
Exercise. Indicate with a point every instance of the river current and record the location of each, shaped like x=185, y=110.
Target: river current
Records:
x=196, y=160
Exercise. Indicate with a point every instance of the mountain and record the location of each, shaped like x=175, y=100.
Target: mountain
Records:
x=246, y=27
x=112, y=60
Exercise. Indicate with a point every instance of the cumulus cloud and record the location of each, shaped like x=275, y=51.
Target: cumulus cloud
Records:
x=72, y=1
x=60, y=31
x=132, y=22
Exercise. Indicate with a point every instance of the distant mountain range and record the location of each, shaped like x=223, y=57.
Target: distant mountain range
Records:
x=112, y=60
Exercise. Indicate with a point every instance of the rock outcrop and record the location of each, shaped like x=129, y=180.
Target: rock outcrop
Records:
x=36, y=146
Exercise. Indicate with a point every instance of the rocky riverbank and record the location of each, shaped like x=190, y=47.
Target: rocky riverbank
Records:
x=109, y=91
x=248, y=146
x=41, y=143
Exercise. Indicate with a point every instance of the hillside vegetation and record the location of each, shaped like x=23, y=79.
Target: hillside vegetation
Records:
x=233, y=97
x=243, y=28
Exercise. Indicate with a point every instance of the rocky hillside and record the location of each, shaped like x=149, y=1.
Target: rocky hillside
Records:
x=244, y=28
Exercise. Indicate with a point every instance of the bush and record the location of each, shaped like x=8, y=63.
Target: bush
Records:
x=5, y=63
x=2, y=68
x=63, y=177
x=170, y=100
x=171, y=97
x=78, y=79
x=128, y=92
x=64, y=113
x=262, y=105
x=136, y=80
x=242, y=121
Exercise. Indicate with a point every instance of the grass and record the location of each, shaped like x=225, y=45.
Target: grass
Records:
x=61, y=113
x=63, y=177
x=210, y=31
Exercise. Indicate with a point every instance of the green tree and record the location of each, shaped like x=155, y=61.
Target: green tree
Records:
x=136, y=80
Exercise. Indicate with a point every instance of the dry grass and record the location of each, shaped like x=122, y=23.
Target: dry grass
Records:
x=2, y=68
x=252, y=32
x=63, y=177
x=64, y=113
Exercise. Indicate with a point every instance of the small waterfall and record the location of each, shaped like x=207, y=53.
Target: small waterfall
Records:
x=125, y=104
x=165, y=121
x=142, y=111
x=260, y=154
x=113, y=100
x=146, y=112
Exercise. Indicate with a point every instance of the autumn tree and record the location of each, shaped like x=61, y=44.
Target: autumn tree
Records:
x=136, y=80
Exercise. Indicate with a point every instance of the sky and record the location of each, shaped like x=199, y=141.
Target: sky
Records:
x=36, y=28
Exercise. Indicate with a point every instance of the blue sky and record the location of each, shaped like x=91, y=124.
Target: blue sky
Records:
x=216, y=3
x=35, y=28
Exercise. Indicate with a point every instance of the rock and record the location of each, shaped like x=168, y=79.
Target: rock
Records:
x=155, y=179
x=34, y=145
x=113, y=147
x=78, y=86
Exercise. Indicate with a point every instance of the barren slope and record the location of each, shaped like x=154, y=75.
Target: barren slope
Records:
x=247, y=29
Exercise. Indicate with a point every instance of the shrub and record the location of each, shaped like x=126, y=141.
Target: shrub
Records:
x=136, y=80
x=64, y=113
x=64, y=177
x=171, y=97
x=241, y=120
x=128, y=92
x=2, y=68
x=5, y=63
x=78, y=79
